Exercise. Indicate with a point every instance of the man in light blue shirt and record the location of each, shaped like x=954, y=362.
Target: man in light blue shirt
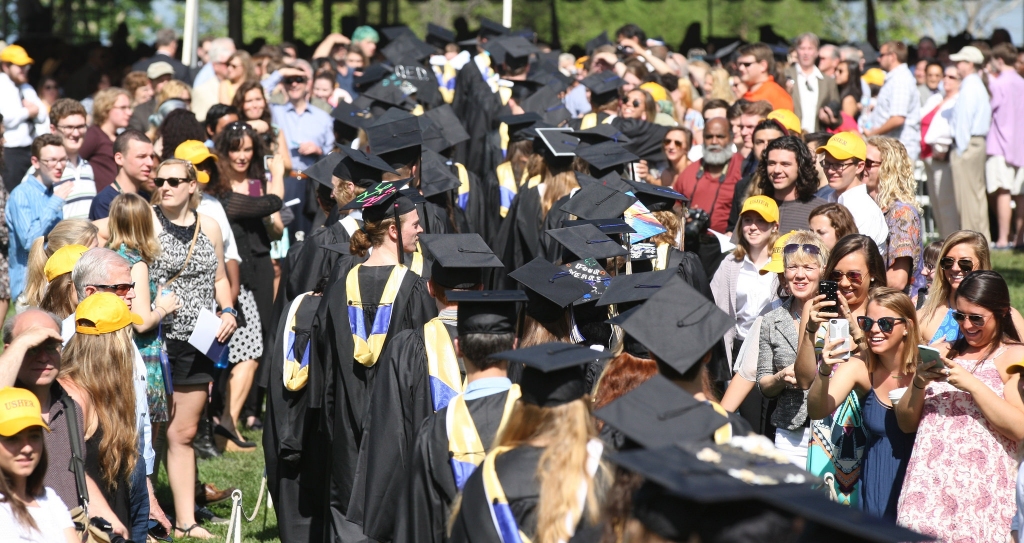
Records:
x=310, y=131
x=897, y=112
x=970, y=120
x=36, y=206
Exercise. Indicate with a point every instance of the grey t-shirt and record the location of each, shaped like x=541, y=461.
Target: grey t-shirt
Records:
x=793, y=215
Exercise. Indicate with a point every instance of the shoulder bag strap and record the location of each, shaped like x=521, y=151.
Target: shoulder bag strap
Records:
x=191, y=248
x=77, y=457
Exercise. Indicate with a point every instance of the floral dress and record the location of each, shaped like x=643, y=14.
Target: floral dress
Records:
x=905, y=240
x=149, y=345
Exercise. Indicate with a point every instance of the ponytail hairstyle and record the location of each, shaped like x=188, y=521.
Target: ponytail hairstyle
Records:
x=33, y=487
x=66, y=232
x=372, y=234
x=57, y=299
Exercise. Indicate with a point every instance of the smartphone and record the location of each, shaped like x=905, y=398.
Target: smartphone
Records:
x=930, y=354
x=254, y=188
x=266, y=162
x=840, y=329
x=831, y=291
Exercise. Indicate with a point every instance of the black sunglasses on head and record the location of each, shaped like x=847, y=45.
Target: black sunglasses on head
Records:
x=965, y=264
x=172, y=181
x=885, y=324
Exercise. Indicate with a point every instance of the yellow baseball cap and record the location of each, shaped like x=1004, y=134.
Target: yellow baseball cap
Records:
x=15, y=54
x=874, y=76
x=845, y=145
x=193, y=151
x=788, y=119
x=657, y=91
x=763, y=206
x=63, y=260
x=103, y=313
x=775, y=265
x=19, y=409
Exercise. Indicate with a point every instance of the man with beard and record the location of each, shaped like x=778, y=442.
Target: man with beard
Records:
x=710, y=182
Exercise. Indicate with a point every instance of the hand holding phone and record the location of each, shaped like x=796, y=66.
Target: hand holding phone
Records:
x=840, y=329
x=931, y=355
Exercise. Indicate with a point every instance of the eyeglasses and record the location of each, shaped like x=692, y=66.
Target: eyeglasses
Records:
x=625, y=102
x=976, y=320
x=953, y=77
x=835, y=166
x=854, y=276
x=677, y=143
x=807, y=247
x=294, y=79
x=80, y=128
x=885, y=324
x=868, y=164
x=121, y=289
x=51, y=162
x=965, y=264
x=746, y=64
x=172, y=181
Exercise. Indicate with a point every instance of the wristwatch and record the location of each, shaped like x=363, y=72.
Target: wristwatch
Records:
x=230, y=311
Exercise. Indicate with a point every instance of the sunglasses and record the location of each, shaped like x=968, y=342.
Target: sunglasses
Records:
x=677, y=143
x=807, y=247
x=976, y=320
x=746, y=64
x=172, y=181
x=292, y=80
x=853, y=276
x=120, y=289
x=625, y=102
x=868, y=164
x=885, y=324
x=965, y=264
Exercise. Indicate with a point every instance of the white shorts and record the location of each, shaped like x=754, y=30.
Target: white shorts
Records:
x=793, y=443
x=1000, y=175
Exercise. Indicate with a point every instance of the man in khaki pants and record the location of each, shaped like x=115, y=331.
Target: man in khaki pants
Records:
x=970, y=123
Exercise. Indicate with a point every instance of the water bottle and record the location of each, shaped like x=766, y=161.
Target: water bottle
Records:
x=222, y=362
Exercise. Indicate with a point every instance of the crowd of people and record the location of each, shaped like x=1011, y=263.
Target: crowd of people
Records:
x=483, y=290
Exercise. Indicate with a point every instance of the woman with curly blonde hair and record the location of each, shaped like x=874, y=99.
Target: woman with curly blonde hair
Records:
x=717, y=87
x=890, y=181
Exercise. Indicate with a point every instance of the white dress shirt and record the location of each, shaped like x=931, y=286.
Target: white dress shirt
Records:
x=809, y=87
x=19, y=128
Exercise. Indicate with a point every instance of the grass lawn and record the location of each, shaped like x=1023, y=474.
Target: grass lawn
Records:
x=1011, y=265
x=240, y=470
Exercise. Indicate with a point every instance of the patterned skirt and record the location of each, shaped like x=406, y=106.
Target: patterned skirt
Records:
x=149, y=345
x=247, y=341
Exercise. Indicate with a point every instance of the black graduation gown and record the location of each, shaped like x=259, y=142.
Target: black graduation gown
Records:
x=340, y=386
x=644, y=138
x=433, y=218
x=518, y=241
x=482, y=206
x=692, y=271
x=313, y=261
x=554, y=218
x=430, y=484
x=478, y=108
x=516, y=469
x=398, y=405
x=294, y=462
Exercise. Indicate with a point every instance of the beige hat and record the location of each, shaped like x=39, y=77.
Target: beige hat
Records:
x=157, y=70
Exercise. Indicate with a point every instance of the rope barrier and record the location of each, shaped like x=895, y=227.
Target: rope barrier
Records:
x=237, y=513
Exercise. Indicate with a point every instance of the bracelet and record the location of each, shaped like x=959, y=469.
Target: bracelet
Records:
x=230, y=311
x=158, y=308
x=829, y=374
x=914, y=381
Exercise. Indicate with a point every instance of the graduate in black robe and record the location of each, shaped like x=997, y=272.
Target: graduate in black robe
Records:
x=644, y=138
x=342, y=368
x=554, y=378
x=413, y=382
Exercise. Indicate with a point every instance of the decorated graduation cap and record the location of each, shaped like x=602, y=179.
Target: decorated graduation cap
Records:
x=679, y=325
x=322, y=170
x=436, y=177
x=598, y=202
x=363, y=169
x=635, y=287
x=600, y=133
x=611, y=180
x=593, y=274
x=606, y=226
x=350, y=115
x=555, y=372
x=605, y=156
x=586, y=241
x=451, y=128
x=371, y=74
x=521, y=127
x=656, y=197
x=550, y=289
x=396, y=130
x=487, y=311
x=458, y=259
x=439, y=36
x=604, y=86
x=489, y=28
x=382, y=201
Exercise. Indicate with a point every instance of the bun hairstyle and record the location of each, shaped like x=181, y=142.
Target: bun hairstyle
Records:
x=370, y=235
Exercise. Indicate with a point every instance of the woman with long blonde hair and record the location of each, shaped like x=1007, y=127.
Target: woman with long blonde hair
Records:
x=717, y=87
x=542, y=478
x=891, y=182
x=61, y=298
x=67, y=232
x=97, y=366
x=133, y=237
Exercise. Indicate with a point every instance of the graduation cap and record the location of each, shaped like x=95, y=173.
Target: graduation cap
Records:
x=604, y=86
x=548, y=75
x=392, y=33
x=439, y=36
x=586, y=241
x=486, y=311
x=554, y=374
x=322, y=169
x=679, y=325
x=598, y=202
x=436, y=177
x=389, y=93
x=558, y=143
x=606, y=226
x=611, y=180
x=606, y=155
x=379, y=202
x=371, y=74
x=659, y=413
x=517, y=49
x=523, y=90
x=592, y=273
x=598, y=41
x=350, y=115
x=656, y=197
x=546, y=103
x=458, y=259
x=394, y=131
x=492, y=28
x=600, y=133
x=406, y=49
x=550, y=288
x=724, y=52
x=451, y=128
x=521, y=127
x=635, y=287
x=363, y=169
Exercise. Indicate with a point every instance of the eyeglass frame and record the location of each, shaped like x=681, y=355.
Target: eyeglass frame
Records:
x=116, y=288
x=871, y=323
x=960, y=317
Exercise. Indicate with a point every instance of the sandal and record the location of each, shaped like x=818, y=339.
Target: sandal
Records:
x=187, y=532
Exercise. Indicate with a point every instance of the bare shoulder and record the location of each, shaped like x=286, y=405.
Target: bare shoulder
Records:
x=210, y=226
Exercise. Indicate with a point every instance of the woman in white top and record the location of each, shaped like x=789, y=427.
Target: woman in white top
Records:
x=936, y=139
x=29, y=512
